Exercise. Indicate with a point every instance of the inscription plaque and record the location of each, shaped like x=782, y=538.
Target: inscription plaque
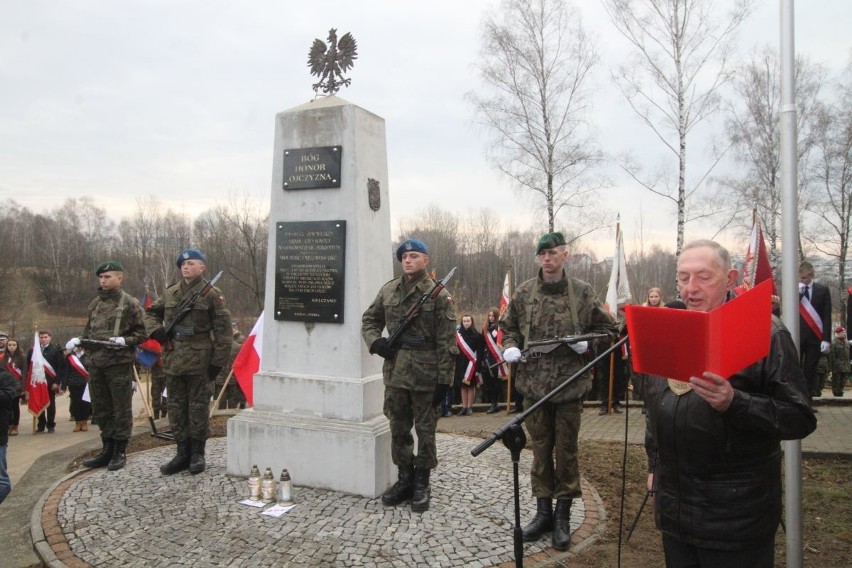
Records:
x=309, y=271
x=312, y=168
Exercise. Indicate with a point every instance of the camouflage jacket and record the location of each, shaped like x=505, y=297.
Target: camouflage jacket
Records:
x=100, y=325
x=839, y=356
x=542, y=310
x=427, y=355
x=205, y=337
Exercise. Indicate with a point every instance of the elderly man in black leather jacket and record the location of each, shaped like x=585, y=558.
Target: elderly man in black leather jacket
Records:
x=714, y=444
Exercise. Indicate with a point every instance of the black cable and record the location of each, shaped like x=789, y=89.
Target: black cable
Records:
x=623, y=473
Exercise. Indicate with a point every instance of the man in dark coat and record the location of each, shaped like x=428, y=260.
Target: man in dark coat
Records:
x=52, y=353
x=8, y=398
x=713, y=443
x=814, y=325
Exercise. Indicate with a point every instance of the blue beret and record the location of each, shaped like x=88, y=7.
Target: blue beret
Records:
x=186, y=254
x=411, y=245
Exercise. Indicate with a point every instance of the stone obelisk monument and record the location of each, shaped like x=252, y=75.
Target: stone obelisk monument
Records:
x=318, y=394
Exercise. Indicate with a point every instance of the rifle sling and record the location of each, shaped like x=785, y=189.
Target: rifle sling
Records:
x=119, y=311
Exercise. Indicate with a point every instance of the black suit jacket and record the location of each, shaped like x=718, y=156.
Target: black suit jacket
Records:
x=53, y=355
x=821, y=301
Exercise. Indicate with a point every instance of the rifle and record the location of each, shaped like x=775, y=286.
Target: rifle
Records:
x=539, y=347
x=107, y=344
x=185, y=306
x=414, y=311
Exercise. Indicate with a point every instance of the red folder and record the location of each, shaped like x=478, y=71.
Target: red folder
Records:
x=679, y=344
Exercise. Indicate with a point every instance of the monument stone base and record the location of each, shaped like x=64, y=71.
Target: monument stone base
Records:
x=325, y=443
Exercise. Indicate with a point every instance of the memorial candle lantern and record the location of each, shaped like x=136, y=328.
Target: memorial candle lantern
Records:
x=254, y=483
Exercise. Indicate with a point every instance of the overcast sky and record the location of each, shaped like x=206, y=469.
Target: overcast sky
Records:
x=176, y=100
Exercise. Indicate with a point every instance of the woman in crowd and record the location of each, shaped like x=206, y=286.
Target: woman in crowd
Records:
x=16, y=363
x=653, y=299
x=75, y=380
x=492, y=355
x=467, y=375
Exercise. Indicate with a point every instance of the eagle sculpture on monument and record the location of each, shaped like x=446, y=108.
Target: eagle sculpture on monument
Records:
x=329, y=63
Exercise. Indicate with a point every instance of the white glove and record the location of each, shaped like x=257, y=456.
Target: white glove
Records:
x=580, y=347
x=118, y=341
x=512, y=355
x=133, y=385
x=72, y=343
x=824, y=347
x=802, y=287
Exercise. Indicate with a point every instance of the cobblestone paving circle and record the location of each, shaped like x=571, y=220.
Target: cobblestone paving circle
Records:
x=136, y=517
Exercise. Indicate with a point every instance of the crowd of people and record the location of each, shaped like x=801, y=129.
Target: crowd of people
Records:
x=715, y=477
x=97, y=368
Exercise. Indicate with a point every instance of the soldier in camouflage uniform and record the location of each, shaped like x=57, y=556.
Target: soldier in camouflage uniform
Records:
x=197, y=352
x=553, y=305
x=417, y=375
x=117, y=317
x=839, y=356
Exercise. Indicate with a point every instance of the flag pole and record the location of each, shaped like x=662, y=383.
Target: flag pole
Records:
x=221, y=392
x=510, y=369
x=615, y=308
x=790, y=296
x=144, y=401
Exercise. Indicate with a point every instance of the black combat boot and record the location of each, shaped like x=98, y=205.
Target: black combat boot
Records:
x=196, y=462
x=178, y=463
x=402, y=489
x=493, y=409
x=119, y=458
x=422, y=491
x=542, y=522
x=102, y=458
x=561, y=537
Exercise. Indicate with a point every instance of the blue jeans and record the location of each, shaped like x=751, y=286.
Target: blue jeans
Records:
x=5, y=482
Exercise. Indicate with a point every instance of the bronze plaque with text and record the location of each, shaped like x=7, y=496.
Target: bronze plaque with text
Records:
x=312, y=168
x=309, y=271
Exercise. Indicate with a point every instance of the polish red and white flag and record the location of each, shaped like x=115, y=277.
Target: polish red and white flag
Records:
x=247, y=361
x=505, y=296
x=37, y=374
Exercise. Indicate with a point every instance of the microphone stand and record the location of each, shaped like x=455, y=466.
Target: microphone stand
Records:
x=514, y=439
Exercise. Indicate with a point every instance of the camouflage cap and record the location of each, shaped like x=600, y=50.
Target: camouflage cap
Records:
x=411, y=245
x=109, y=266
x=4, y=335
x=189, y=253
x=549, y=241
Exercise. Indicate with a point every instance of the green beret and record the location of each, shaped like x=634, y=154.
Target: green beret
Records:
x=109, y=266
x=549, y=241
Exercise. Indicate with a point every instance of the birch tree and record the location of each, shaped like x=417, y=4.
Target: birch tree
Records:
x=831, y=209
x=753, y=129
x=681, y=58
x=535, y=66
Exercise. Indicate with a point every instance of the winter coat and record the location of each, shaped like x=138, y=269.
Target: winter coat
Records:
x=717, y=475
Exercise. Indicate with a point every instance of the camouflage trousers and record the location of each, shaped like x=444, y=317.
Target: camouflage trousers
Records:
x=158, y=384
x=554, y=429
x=406, y=409
x=189, y=406
x=112, y=400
